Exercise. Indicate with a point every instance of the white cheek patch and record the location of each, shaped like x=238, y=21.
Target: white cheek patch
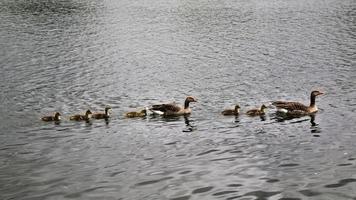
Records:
x=59, y=118
x=89, y=116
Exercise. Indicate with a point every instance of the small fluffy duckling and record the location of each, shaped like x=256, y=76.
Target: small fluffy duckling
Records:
x=56, y=117
x=257, y=112
x=85, y=117
x=133, y=114
x=102, y=115
x=234, y=111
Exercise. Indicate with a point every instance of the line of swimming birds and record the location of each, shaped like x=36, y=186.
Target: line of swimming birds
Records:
x=288, y=108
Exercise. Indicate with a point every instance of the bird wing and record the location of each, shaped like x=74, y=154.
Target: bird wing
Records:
x=253, y=112
x=171, y=107
x=98, y=115
x=290, y=106
x=47, y=118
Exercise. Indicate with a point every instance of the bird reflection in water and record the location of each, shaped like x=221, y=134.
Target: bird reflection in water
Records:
x=263, y=117
x=188, y=126
x=237, y=120
x=314, y=128
x=107, y=121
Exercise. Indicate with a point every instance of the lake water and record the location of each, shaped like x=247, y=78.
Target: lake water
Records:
x=72, y=55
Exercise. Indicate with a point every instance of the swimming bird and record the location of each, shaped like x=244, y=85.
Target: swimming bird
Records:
x=56, y=117
x=296, y=108
x=172, y=109
x=234, y=111
x=104, y=115
x=133, y=114
x=257, y=112
x=79, y=117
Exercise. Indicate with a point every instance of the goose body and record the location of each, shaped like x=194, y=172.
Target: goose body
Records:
x=104, y=115
x=133, y=114
x=79, y=117
x=234, y=111
x=56, y=117
x=257, y=112
x=296, y=108
x=173, y=109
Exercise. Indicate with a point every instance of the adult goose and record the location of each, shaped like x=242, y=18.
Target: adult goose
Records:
x=173, y=109
x=296, y=108
x=104, y=115
x=56, y=117
x=234, y=111
x=85, y=117
x=257, y=112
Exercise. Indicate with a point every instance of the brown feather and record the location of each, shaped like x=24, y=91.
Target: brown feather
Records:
x=167, y=107
x=254, y=112
x=100, y=116
x=47, y=118
x=257, y=112
x=229, y=112
x=133, y=114
x=172, y=109
x=290, y=106
x=81, y=117
x=297, y=107
x=56, y=117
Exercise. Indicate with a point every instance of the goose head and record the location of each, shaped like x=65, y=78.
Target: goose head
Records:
x=316, y=93
x=57, y=116
x=191, y=99
x=88, y=113
x=144, y=111
x=107, y=108
x=237, y=107
x=263, y=108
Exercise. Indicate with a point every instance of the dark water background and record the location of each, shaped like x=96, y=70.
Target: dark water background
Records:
x=71, y=55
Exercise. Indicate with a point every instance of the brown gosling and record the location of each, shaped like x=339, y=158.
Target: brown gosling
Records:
x=133, y=114
x=56, y=117
x=104, y=115
x=234, y=111
x=257, y=112
x=79, y=117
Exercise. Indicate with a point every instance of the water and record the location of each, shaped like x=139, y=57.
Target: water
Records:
x=72, y=55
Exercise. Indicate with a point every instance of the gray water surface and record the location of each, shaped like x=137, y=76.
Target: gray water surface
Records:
x=72, y=55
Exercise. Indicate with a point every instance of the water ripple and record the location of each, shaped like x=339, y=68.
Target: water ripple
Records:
x=69, y=56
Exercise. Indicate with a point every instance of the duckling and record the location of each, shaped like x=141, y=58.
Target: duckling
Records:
x=133, y=114
x=296, y=108
x=172, y=109
x=234, y=111
x=85, y=117
x=102, y=115
x=257, y=112
x=56, y=117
